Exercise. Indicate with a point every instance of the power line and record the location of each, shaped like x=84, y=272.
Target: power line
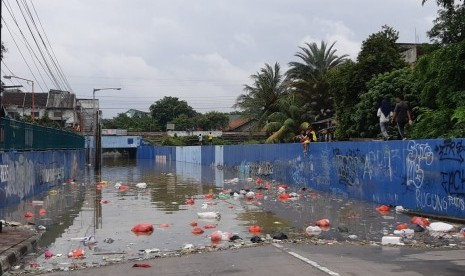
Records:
x=47, y=60
x=39, y=48
x=52, y=54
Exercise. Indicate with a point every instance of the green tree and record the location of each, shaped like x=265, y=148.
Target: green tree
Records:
x=285, y=124
x=442, y=3
x=390, y=86
x=449, y=26
x=212, y=120
x=261, y=98
x=308, y=79
x=168, y=108
x=184, y=122
x=379, y=54
x=136, y=123
x=441, y=83
x=345, y=93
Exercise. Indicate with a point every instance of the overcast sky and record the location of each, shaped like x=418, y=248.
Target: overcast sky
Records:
x=201, y=51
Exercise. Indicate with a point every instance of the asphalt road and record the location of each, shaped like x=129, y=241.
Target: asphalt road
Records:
x=297, y=259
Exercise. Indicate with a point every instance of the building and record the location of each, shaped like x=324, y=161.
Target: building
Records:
x=411, y=51
x=19, y=104
x=62, y=107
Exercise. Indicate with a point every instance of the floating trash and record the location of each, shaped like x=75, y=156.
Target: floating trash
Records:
x=255, y=229
x=143, y=229
x=141, y=185
x=322, y=223
x=313, y=230
x=209, y=215
x=76, y=253
x=28, y=215
x=197, y=231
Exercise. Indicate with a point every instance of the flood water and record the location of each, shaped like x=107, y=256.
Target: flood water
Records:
x=89, y=207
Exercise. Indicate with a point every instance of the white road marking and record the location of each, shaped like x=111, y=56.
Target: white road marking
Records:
x=308, y=261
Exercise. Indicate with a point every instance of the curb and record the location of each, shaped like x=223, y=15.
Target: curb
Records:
x=14, y=254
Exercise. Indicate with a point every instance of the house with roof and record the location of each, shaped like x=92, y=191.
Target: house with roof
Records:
x=237, y=123
x=18, y=104
x=61, y=107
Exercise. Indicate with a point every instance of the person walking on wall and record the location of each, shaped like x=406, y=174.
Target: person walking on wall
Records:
x=210, y=138
x=200, y=139
x=384, y=114
x=402, y=116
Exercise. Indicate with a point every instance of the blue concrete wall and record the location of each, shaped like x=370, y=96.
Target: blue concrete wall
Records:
x=25, y=174
x=421, y=175
x=115, y=142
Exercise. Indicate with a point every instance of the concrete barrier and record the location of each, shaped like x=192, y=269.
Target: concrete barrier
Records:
x=426, y=176
x=25, y=174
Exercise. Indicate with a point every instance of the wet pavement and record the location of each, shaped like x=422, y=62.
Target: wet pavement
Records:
x=15, y=242
x=297, y=259
x=96, y=214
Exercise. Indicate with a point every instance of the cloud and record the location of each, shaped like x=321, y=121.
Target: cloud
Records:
x=203, y=51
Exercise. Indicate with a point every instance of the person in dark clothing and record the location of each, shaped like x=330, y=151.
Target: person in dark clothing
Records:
x=402, y=116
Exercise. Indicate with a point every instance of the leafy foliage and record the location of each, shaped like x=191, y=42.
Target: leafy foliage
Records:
x=390, y=86
x=212, y=120
x=379, y=54
x=136, y=123
x=441, y=83
x=284, y=124
x=308, y=79
x=168, y=108
x=449, y=26
x=261, y=98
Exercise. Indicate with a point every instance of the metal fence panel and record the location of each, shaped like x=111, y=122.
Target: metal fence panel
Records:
x=22, y=136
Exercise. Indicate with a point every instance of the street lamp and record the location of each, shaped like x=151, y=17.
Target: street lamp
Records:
x=32, y=94
x=96, y=126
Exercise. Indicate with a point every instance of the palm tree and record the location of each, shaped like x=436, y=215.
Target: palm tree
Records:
x=285, y=124
x=261, y=98
x=308, y=78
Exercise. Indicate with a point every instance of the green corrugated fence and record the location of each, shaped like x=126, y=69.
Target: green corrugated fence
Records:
x=17, y=135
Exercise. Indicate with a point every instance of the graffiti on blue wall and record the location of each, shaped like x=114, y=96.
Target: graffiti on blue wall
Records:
x=23, y=175
x=422, y=175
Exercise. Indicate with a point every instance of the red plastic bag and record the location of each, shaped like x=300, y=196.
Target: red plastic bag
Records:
x=28, y=215
x=255, y=229
x=322, y=223
x=197, y=231
x=402, y=226
x=383, y=208
x=42, y=212
x=209, y=226
x=76, y=253
x=142, y=228
x=283, y=197
x=423, y=222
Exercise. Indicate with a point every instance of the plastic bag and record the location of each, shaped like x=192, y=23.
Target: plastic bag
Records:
x=142, y=228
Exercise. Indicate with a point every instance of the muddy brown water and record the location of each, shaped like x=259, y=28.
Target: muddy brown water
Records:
x=85, y=209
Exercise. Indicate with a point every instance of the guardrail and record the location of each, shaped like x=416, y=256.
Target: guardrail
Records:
x=22, y=136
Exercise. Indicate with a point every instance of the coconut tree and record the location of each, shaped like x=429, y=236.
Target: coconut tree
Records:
x=308, y=78
x=285, y=124
x=261, y=98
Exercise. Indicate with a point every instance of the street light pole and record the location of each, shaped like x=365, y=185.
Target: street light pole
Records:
x=96, y=130
x=32, y=93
